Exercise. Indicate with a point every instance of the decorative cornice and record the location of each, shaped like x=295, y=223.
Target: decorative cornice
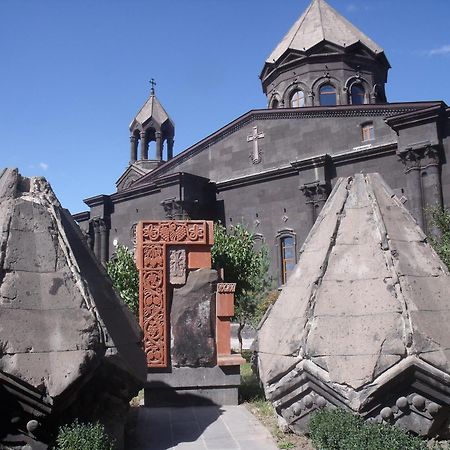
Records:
x=307, y=163
x=82, y=216
x=98, y=200
x=408, y=119
x=370, y=152
x=386, y=110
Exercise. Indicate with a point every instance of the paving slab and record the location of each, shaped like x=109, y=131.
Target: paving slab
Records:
x=200, y=427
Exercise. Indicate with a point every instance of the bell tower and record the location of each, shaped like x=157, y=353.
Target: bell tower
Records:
x=151, y=124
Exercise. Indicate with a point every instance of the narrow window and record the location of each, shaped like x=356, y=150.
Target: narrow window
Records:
x=287, y=247
x=367, y=132
x=357, y=95
x=275, y=103
x=327, y=95
x=297, y=99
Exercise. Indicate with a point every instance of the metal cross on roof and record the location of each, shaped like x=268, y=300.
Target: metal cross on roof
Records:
x=256, y=153
x=153, y=84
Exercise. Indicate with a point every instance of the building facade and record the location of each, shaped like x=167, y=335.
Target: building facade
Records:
x=273, y=169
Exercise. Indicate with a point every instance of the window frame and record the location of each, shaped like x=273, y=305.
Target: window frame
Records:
x=282, y=235
x=361, y=95
x=334, y=92
x=367, y=132
x=297, y=92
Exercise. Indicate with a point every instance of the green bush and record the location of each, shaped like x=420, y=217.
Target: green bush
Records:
x=125, y=277
x=439, y=219
x=341, y=430
x=83, y=436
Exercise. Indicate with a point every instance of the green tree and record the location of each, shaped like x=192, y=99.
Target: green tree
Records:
x=125, y=277
x=234, y=252
x=439, y=218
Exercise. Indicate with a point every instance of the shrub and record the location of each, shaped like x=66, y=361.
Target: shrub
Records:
x=341, y=430
x=125, y=277
x=439, y=219
x=83, y=436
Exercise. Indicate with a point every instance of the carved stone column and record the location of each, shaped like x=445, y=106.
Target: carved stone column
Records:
x=158, y=145
x=431, y=178
x=316, y=195
x=97, y=243
x=169, y=148
x=133, y=149
x=144, y=145
x=423, y=181
x=103, y=241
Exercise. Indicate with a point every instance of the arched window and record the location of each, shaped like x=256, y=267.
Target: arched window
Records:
x=357, y=95
x=275, y=103
x=287, y=257
x=367, y=132
x=297, y=99
x=327, y=95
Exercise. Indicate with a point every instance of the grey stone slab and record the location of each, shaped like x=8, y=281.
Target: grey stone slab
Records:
x=183, y=377
x=31, y=290
x=64, y=330
x=356, y=297
x=357, y=262
x=416, y=259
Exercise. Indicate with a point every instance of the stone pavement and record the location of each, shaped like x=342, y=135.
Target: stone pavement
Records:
x=200, y=427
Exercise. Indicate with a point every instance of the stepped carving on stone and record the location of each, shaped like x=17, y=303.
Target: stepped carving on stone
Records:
x=69, y=347
x=362, y=322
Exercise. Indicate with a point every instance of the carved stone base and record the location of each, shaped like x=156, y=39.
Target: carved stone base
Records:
x=186, y=386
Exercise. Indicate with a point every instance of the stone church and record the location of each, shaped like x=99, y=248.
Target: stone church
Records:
x=272, y=169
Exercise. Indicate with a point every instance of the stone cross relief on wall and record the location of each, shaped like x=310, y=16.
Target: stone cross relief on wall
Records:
x=256, y=154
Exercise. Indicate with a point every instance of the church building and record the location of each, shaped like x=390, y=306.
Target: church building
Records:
x=272, y=169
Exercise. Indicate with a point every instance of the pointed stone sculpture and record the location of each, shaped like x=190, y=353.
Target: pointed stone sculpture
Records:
x=69, y=347
x=362, y=323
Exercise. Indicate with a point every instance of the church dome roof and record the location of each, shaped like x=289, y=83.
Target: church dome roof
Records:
x=152, y=110
x=320, y=22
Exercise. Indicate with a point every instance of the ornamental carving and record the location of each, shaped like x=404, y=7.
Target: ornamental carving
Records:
x=226, y=288
x=419, y=157
x=159, y=262
x=177, y=266
x=175, y=232
x=315, y=192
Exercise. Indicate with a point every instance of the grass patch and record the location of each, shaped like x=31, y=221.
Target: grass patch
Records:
x=252, y=394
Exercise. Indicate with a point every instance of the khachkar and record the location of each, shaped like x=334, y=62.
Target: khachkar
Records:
x=362, y=323
x=70, y=347
x=185, y=314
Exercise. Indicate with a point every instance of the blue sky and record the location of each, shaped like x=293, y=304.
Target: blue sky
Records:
x=73, y=73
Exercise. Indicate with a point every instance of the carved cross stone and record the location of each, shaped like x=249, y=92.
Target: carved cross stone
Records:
x=256, y=153
x=177, y=266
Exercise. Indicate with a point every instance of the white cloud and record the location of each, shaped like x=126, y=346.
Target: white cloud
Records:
x=354, y=7
x=444, y=50
x=43, y=166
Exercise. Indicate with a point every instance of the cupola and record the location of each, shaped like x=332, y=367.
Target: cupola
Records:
x=324, y=60
x=151, y=124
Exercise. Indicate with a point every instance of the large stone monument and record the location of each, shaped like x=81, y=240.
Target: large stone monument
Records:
x=69, y=347
x=362, y=323
x=185, y=313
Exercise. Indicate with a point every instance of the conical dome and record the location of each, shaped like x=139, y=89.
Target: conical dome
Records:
x=320, y=22
x=323, y=48
x=362, y=323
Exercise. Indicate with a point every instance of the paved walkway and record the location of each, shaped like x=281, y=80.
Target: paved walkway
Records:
x=201, y=427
